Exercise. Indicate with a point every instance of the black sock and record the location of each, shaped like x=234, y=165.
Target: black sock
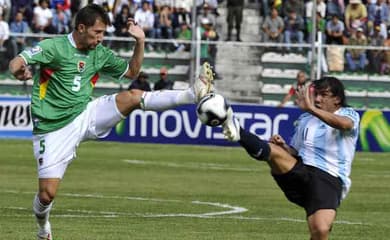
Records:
x=256, y=148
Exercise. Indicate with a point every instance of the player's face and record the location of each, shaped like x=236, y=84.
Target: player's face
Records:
x=325, y=100
x=93, y=35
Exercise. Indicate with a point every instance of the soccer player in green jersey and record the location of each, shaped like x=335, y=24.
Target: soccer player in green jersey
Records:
x=63, y=112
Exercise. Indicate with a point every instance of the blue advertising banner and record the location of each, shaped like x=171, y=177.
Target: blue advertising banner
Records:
x=181, y=125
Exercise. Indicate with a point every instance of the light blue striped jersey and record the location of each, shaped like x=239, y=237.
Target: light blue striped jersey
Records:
x=329, y=149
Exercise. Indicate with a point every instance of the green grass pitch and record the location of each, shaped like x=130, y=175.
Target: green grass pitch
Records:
x=151, y=191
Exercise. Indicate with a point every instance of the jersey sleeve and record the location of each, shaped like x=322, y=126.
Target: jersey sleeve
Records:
x=353, y=115
x=113, y=65
x=43, y=53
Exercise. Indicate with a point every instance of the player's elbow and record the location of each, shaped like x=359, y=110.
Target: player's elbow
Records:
x=12, y=66
x=345, y=125
x=15, y=65
x=132, y=74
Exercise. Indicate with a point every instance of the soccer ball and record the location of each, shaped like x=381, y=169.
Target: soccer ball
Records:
x=212, y=109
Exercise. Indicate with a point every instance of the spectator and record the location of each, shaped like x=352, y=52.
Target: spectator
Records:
x=64, y=5
x=300, y=82
x=357, y=39
x=355, y=15
x=145, y=18
x=141, y=82
x=273, y=27
x=206, y=13
x=320, y=27
x=161, y=3
x=180, y=16
x=208, y=52
x=19, y=26
x=378, y=15
x=234, y=15
x=265, y=8
x=186, y=5
x=334, y=30
x=75, y=7
x=61, y=20
x=109, y=3
x=43, y=17
x=321, y=8
x=164, y=82
x=277, y=4
x=24, y=6
x=294, y=27
x=118, y=5
x=164, y=24
x=375, y=56
x=184, y=34
x=296, y=6
x=120, y=22
x=335, y=8
x=385, y=68
x=4, y=34
x=5, y=9
x=110, y=29
x=211, y=4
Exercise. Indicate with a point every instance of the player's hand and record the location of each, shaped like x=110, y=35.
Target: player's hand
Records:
x=277, y=139
x=305, y=97
x=24, y=73
x=135, y=30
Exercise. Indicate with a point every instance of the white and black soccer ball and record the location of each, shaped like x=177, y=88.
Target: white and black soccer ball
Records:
x=212, y=109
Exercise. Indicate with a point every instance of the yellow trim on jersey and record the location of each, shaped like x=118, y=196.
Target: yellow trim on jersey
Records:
x=42, y=90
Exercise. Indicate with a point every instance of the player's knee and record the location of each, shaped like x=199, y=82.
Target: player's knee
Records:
x=320, y=231
x=46, y=196
x=127, y=101
x=134, y=97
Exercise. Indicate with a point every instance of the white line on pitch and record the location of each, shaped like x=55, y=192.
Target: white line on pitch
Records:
x=104, y=214
x=211, y=166
x=232, y=209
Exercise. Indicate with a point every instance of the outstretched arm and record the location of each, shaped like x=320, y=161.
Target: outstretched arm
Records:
x=19, y=69
x=138, y=55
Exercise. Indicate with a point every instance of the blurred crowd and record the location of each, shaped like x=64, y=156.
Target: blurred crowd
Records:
x=342, y=22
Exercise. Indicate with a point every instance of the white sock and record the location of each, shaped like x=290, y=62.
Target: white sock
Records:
x=166, y=99
x=41, y=212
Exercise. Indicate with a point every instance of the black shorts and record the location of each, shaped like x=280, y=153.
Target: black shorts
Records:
x=310, y=188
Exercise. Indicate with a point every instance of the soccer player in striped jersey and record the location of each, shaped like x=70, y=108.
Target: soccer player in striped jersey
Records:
x=62, y=109
x=313, y=171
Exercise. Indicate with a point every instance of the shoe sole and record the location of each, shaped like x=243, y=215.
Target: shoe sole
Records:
x=208, y=76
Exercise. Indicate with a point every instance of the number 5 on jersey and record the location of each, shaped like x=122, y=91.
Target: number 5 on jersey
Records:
x=76, y=83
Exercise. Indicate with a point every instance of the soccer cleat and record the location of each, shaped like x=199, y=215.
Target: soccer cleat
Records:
x=45, y=233
x=231, y=127
x=45, y=237
x=203, y=84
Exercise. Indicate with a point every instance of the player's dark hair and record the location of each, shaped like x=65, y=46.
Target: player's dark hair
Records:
x=89, y=14
x=334, y=85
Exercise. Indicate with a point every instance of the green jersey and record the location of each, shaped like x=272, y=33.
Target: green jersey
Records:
x=67, y=76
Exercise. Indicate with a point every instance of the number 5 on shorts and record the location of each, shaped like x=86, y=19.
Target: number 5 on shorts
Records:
x=42, y=146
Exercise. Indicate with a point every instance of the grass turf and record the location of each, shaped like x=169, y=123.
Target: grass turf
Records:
x=151, y=191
